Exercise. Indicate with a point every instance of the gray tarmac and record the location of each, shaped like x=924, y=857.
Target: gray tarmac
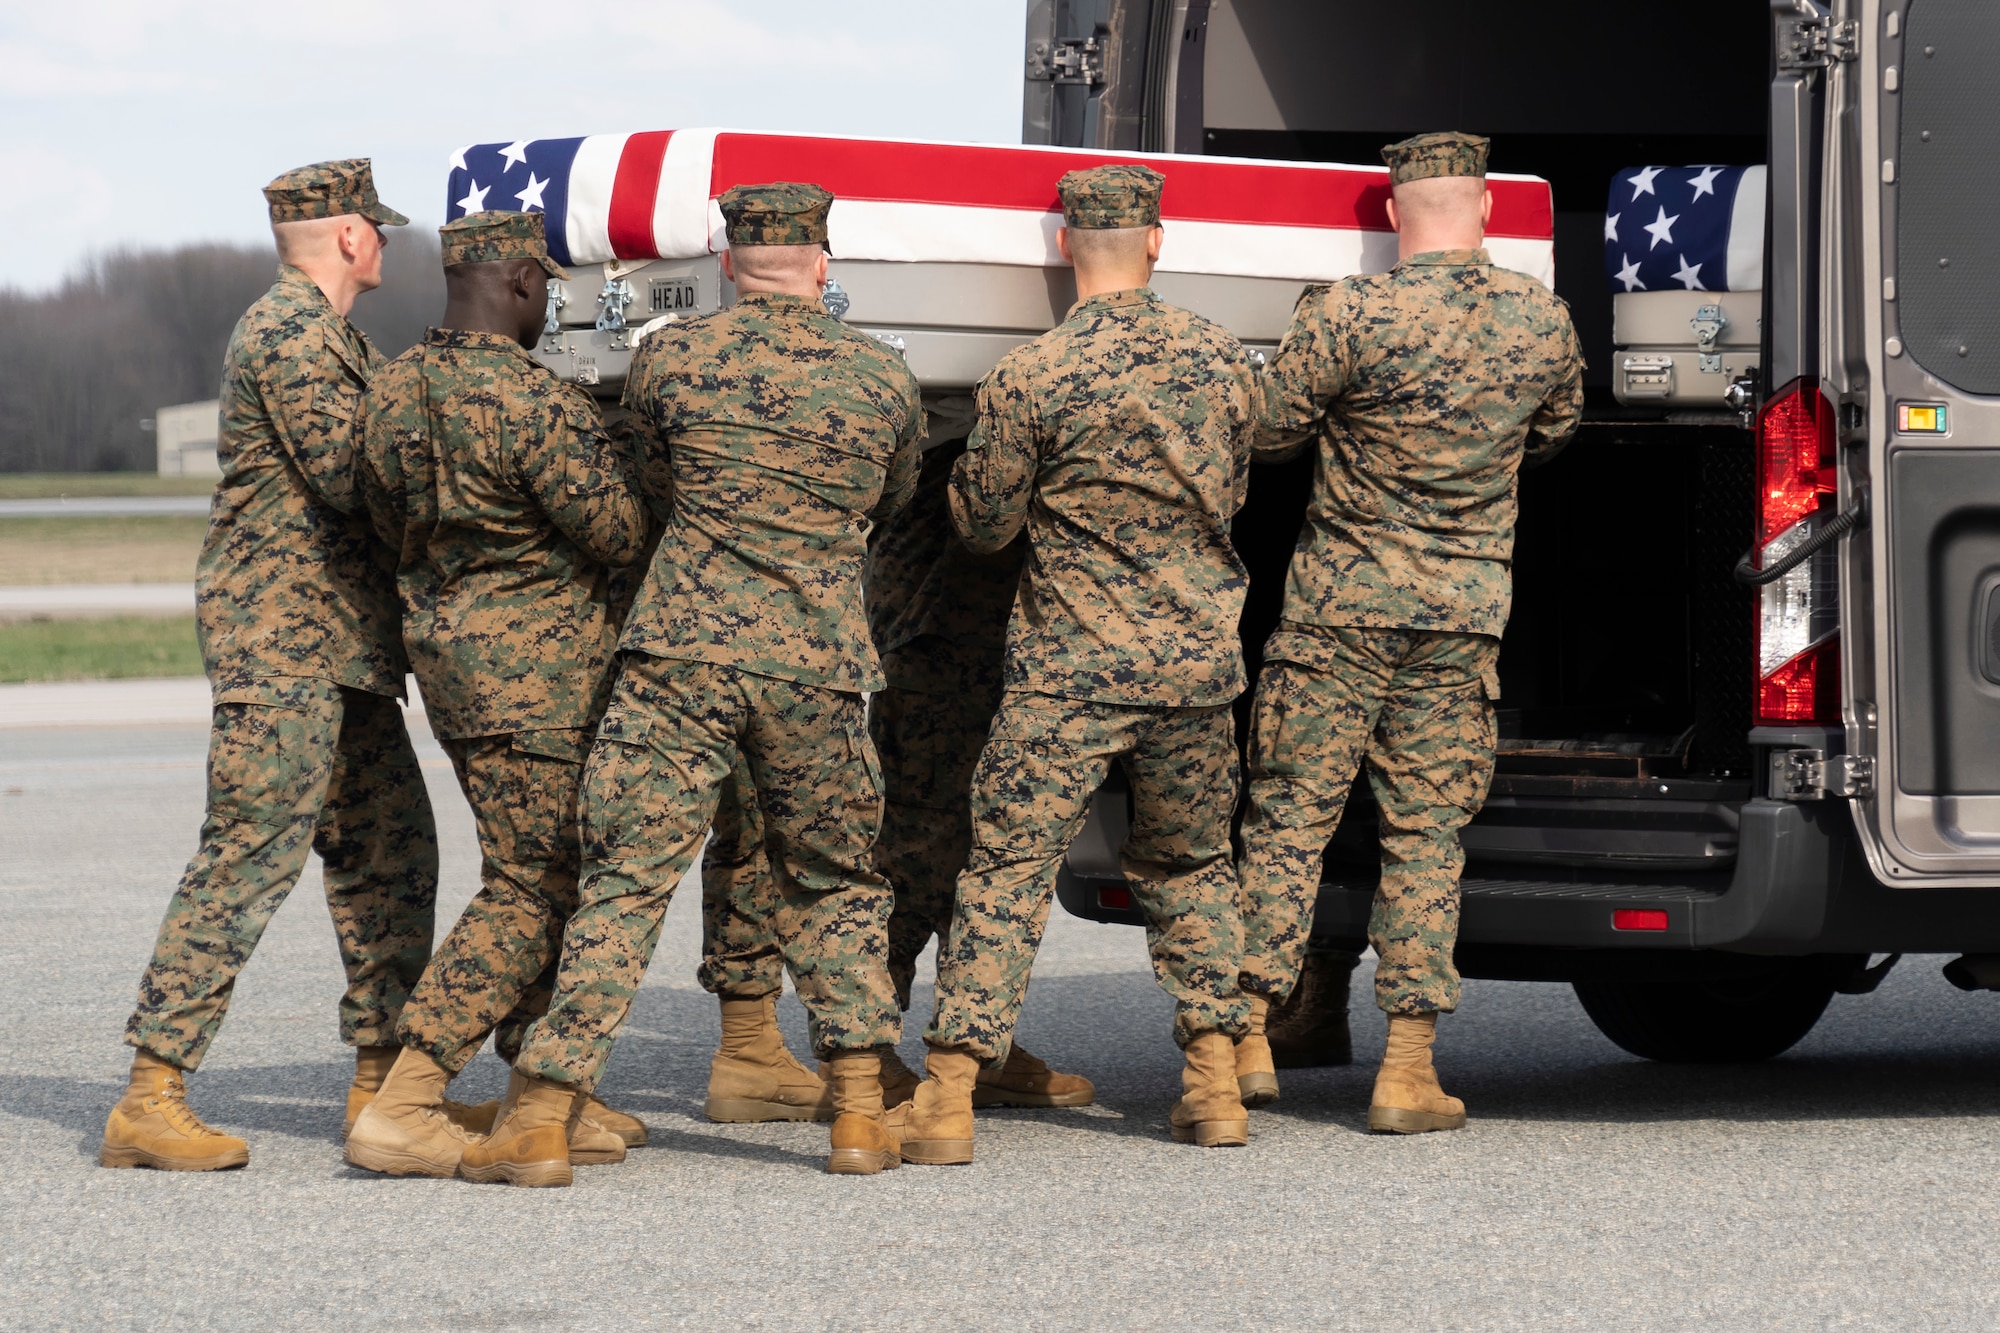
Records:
x=1849, y=1183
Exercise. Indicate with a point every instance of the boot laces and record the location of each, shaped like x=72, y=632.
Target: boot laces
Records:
x=171, y=1102
x=435, y=1118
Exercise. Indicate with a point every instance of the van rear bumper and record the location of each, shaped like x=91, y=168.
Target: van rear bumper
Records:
x=1799, y=885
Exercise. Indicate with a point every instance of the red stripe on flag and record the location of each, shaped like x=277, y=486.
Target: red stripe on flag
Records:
x=1197, y=190
x=633, y=192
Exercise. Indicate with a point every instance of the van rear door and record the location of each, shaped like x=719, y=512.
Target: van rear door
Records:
x=1912, y=282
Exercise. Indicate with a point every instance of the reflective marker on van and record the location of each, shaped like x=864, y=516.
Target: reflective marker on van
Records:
x=1920, y=418
x=1116, y=897
x=1638, y=918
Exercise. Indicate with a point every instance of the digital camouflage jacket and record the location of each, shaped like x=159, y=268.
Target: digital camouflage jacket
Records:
x=291, y=581
x=1427, y=386
x=502, y=495
x=1121, y=440
x=786, y=434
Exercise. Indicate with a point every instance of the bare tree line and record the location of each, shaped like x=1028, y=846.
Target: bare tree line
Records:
x=134, y=330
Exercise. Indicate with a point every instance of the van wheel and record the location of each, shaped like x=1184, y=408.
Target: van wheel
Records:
x=1722, y=1019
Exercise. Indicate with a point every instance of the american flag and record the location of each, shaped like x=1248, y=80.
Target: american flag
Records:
x=1674, y=229
x=652, y=195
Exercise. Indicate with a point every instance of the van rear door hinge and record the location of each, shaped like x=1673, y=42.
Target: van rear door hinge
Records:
x=1067, y=62
x=1808, y=775
x=1816, y=43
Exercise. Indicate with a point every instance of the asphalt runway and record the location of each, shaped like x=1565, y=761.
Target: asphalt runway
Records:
x=1850, y=1183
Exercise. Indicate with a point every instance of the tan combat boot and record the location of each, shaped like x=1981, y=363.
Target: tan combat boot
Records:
x=754, y=1077
x=862, y=1143
x=1407, y=1097
x=1256, y=1076
x=1309, y=1030
x=899, y=1081
x=403, y=1130
x=1026, y=1081
x=371, y=1067
x=935, y=1126
x=593, y=1143
x=630, y=1129
x=152, y=1125
x=530, y=1143
x=1210, y=1111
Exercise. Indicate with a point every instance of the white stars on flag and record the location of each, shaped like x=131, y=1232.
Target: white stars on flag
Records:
x=514, y=152
x=475, y=197
x=1687, y=236
x=531, y=198
x=1661, y=229
x=458, y=159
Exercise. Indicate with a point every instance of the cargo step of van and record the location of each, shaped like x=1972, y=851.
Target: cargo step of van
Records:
x=1545, y=907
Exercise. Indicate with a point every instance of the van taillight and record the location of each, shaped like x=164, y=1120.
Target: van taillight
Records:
x=1798, y=616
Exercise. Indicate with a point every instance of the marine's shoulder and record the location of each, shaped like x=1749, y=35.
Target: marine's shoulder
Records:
x=288, y=311
x=871, y=351
x=1036, y=356
x=402, y=376
x=1196, y=330
x=1519, y=285
x=1528, y=299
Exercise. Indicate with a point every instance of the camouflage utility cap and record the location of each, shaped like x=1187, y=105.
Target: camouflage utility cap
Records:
x=330, y=190
x=1103, y=198
x=482, y=238
x=1448, y=153
x=782, y=213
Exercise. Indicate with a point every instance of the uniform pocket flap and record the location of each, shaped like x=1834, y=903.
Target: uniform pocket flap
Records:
x=625, y=728
x=568, y=744
x=294, y=692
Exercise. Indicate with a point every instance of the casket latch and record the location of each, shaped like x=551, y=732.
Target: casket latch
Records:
x=1708, y=324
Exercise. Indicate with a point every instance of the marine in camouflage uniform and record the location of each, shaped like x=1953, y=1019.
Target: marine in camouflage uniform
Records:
x=300, y=637
x=498, y=487
x=297, y=617
x=1426, y=389
x=748, y=644
x=1120, y=441
x=937, y=614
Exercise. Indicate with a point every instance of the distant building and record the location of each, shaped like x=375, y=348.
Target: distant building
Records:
x=186, y=436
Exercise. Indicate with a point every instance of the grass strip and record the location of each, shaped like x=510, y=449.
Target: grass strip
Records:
x=113, y=648
x=55, y=485
x=144, y=548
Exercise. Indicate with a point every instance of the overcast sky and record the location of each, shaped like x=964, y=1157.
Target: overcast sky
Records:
x=151, y=122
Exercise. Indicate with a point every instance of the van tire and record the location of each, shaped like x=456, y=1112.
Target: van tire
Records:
x=1711, y=1020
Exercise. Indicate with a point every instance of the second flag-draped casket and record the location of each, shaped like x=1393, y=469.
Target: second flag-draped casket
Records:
x=947, y=251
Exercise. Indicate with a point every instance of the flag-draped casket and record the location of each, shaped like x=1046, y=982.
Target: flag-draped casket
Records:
x=946, y=249
x=1684, y=258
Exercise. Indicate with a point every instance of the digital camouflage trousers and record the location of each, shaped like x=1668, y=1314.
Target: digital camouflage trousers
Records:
x=1045, y=759
x=1416, y=707
x=497, y=965
x=297, y=765
x=651, y=787
x=739, y=950
x=928, y=744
